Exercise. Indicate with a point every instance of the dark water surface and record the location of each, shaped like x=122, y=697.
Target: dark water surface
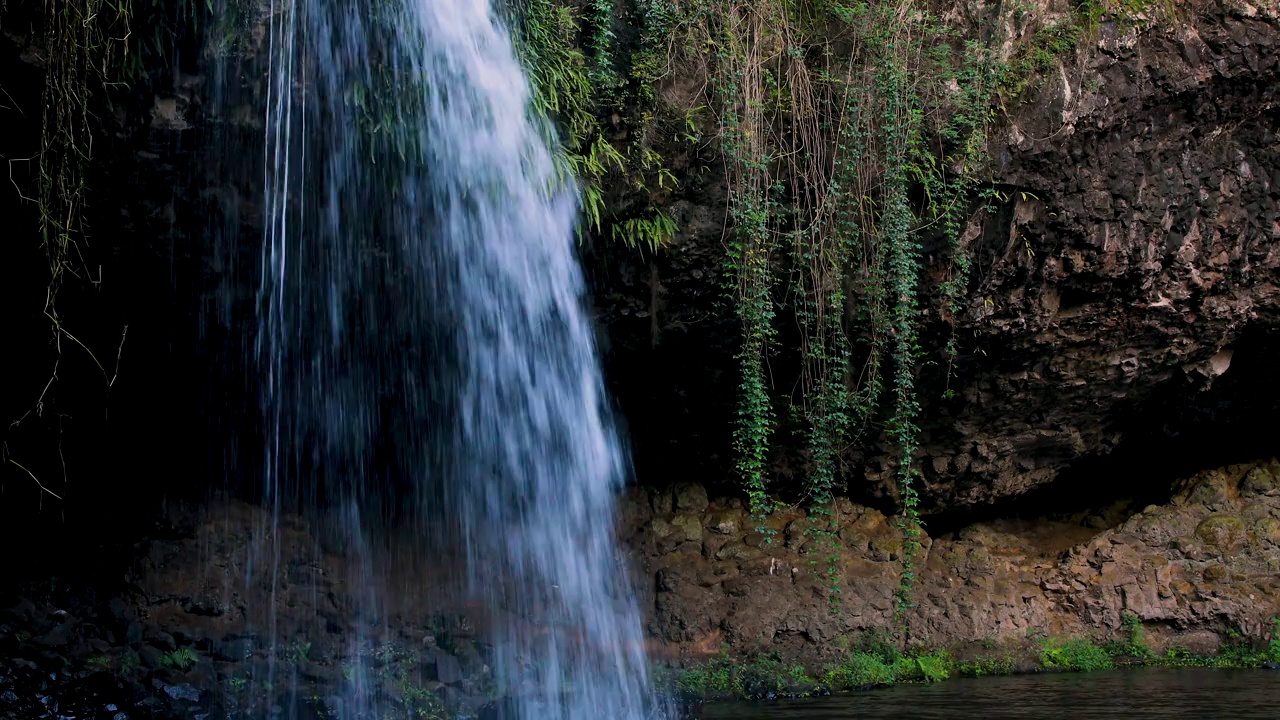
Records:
x=1189, y=693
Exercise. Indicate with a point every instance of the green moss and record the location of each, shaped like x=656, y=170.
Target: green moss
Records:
x=1040, y=54
x=1221, y=531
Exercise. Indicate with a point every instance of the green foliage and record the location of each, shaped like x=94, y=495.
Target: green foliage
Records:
x=182, y=658
x=1236, y=653
x=860, y=669
x=886, y=666
x=298, y=651
x=985, y=667
x=934, y=667
x=830, y=118
x=604, y=78
x=574, y=90
x=1133, y=643
x=727, y=676
x=130, y=663
x=749, y=258
x=1038, y=55
x=1051, y=42
x=396, y=668
x=823, y=152
x=1074, y=654
x=876, y=660
x=645, y=233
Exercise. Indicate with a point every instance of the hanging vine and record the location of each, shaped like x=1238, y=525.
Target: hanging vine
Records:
x=750, y=242
x=83, y=45
x=580, y=91
x=84, y=40
x=850, y=133
x=825, y=152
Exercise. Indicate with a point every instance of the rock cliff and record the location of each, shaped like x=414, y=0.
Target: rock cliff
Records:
x=1191, y=569
x=1130, y=269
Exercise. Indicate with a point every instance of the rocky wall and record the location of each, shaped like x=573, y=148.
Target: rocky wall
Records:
x=1132, y=265
x=191, y=630
x=1204, y=563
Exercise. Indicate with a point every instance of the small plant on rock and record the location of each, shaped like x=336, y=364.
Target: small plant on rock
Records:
x=130, y=663
x=181, y=659
x=1134, y=642
x=299, y=651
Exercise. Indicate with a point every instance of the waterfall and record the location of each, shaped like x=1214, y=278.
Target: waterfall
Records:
x=422, y=339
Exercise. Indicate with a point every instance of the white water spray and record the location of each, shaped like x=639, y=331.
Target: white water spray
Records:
x=405, y=126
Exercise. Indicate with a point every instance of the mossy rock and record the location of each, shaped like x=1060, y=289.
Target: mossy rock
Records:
x=1212, y=490
x=1259, y=481
x=690, y=498
x=661, y=529
x=854, y=539
x=886, y=548
x=1268, y=530
x=1221, y=531
x=725, y=522
x=737, y=551
x=1215, y=573
x=1255, y=511
x=798, y=532
x=687, y=528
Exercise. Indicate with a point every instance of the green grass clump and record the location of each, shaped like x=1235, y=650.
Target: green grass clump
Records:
x=1075, y=654
x=985, y=667
x=935, y=666
x=864, y=668
x=1134, y=642
x=726, y=676
x=860, y=669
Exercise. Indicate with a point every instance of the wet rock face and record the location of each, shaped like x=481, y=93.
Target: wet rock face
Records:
x=1206, y=561
x=1137, y=242
x=1140, y=239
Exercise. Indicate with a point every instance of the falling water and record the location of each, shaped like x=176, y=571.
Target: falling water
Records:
x=422, y=337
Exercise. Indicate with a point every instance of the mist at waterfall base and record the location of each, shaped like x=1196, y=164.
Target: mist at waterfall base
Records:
x=421, y=354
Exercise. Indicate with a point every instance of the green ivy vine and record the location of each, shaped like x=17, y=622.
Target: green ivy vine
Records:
x=850, y=132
